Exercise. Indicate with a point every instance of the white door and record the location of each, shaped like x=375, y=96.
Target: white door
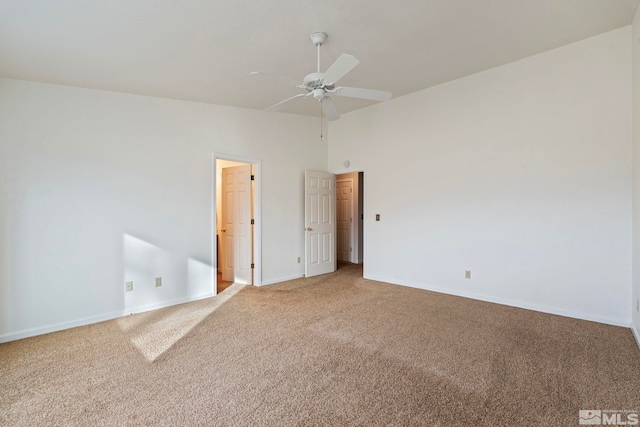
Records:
x=320, y=225
x=236, y=241
x=344, y=219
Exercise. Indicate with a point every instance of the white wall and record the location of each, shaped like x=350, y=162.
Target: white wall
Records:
x=521, y=174
x=98, y=188
x=635, y=46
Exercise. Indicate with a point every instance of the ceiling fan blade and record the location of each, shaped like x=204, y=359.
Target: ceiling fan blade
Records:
x=338, y=69
x=329, y=109
x=354, y=92
x=281, y=79
x=277, y=106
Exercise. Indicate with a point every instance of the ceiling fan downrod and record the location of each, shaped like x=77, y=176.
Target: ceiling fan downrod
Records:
x=318, y=40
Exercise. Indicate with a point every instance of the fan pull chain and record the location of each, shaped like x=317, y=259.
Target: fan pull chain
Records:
x=318, y=57
x=321, y=136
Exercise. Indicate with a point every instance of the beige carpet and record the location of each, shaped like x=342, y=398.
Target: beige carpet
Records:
x=332, y=350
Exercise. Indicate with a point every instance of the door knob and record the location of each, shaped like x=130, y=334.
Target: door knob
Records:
x=223, y=230
x=309, y=229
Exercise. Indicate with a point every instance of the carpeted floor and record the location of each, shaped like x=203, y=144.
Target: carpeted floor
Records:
x=331, y=350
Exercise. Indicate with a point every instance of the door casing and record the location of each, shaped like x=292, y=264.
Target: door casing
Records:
x=257, y=216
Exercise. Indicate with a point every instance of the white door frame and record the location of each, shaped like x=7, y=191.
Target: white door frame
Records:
x=257, y=216
x=364, y=221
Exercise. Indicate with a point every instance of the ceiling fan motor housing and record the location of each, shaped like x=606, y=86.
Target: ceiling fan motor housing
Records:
x=314, y=81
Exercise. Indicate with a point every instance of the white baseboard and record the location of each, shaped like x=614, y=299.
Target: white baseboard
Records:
x=282, y=279
x=32, y=332
x=26, y=333
x=636, y=335
x=543, y=309
x=163, y=304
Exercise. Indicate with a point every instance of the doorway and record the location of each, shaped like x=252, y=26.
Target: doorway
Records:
x=236, y=218
x=350, y=218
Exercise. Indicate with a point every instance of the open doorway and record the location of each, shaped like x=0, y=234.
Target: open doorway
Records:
x=235, y=213
x=350, y=218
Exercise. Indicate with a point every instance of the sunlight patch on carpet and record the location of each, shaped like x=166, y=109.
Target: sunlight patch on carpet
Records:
x=154, y=332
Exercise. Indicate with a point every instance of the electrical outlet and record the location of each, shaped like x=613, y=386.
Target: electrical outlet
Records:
x=158, y=282
x=467, y=274
x=377, y=217
x=128, y=286
x=298, y=260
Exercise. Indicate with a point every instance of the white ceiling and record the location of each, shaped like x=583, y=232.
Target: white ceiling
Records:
x=204, y=50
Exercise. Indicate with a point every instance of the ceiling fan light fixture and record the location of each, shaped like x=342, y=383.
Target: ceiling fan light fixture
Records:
x=319, y=94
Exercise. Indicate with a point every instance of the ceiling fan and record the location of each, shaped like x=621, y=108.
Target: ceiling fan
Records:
x=320, y=85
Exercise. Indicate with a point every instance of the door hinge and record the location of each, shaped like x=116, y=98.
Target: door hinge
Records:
x=253, y=177
x=253, y=265
x=253, y=221
x=351, y=190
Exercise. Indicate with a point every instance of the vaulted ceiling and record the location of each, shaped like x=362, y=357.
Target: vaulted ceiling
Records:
x=204, y=50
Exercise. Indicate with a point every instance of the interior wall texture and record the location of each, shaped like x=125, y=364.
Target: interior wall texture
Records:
x=98, y=188
x=635, y=47
x=520, y=174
